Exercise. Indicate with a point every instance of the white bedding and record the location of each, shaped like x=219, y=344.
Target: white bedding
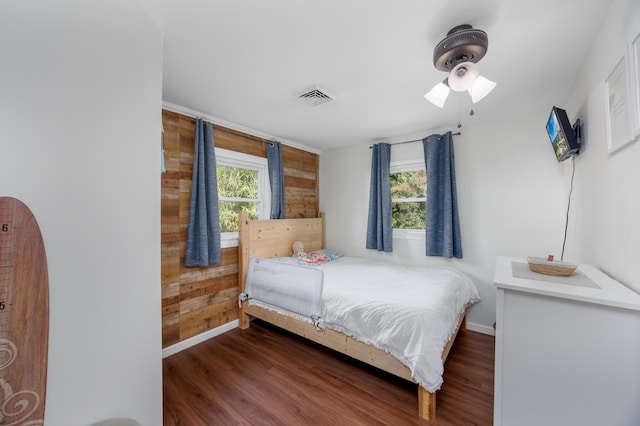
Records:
x=408, y=311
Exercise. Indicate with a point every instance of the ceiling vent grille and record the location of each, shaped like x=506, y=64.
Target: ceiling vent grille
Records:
x=315, y=96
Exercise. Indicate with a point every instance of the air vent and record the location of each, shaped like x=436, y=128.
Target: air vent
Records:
x=315, y=96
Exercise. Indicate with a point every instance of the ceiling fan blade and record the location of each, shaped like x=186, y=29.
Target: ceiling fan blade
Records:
x=481, y=88
x=438, y=95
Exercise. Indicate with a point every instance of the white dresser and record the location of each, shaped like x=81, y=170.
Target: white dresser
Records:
x=567, y=352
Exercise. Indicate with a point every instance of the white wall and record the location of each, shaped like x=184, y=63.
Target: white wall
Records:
x=510, y=194
x=80, y=119
x=607, y=199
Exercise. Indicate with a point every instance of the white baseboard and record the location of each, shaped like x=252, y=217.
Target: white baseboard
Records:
x=481, y=328
x=192, y=341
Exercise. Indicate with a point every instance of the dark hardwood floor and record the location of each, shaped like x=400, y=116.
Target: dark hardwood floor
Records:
x=266, y=376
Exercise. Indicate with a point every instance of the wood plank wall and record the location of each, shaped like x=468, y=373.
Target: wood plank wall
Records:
x=195, y=300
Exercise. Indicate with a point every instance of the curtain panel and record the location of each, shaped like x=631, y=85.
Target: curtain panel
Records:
x=379, y=231
x=203, y=230
x=276, y=179
x=442, y=223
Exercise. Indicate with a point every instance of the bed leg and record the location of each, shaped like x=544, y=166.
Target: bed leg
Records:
x=463, y=323
x=244, y=320
x=426, y=404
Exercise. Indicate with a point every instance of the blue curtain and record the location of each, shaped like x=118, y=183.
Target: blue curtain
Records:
x=276, y=179
x=443, y=228
x=203, y=231
x=379, y=231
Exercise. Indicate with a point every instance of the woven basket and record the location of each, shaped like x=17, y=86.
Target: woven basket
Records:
x=544, y=266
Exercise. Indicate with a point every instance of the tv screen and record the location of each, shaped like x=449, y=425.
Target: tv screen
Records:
x=562, y=135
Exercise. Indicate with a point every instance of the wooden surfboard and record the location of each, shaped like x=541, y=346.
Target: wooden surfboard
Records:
x=24, y=316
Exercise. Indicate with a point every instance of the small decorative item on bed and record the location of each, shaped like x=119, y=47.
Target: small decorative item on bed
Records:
x=351, y=303
x=298, y=249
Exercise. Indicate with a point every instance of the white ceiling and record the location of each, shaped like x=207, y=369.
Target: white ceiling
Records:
x=245, y=61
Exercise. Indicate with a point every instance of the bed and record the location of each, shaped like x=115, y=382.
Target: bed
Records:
x=339, y=328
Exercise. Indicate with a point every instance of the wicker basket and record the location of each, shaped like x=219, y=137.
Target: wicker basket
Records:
x=550, y=267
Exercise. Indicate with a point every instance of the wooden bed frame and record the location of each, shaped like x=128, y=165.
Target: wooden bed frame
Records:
x=273, y=238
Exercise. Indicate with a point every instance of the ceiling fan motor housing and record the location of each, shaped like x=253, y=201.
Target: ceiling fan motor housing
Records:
x=462, y=44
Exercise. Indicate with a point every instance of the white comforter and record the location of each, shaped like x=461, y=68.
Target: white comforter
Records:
x=408, y=311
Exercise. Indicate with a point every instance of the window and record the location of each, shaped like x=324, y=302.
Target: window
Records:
x=243, y=186
x=408, y=197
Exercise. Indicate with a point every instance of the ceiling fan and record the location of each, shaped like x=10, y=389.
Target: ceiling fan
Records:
x=457, y=54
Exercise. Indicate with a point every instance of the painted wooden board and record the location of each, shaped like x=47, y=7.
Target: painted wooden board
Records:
x=24, y=316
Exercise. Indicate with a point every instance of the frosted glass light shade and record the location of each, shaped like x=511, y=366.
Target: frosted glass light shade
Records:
x=463, y=76
x=438, y=95
x=481, y=88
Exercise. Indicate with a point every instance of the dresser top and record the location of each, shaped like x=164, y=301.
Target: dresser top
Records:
x=598, y=287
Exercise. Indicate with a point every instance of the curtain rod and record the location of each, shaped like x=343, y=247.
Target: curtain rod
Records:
x=417, y=140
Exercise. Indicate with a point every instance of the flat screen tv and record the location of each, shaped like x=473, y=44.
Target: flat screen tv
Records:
x=563, y=137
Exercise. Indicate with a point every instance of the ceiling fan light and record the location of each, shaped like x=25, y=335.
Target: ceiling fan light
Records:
x=438, y=95
x=481, y=88
x=463, y=76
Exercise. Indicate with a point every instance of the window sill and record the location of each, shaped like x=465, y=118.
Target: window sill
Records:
x=409, y=234
x=231, y=242
x=229, y=239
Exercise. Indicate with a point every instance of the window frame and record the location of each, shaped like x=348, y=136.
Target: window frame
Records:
x=227, y=157
x=408, y=166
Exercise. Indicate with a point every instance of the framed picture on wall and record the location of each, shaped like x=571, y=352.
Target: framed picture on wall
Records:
x=617, y=106
x=634, y=82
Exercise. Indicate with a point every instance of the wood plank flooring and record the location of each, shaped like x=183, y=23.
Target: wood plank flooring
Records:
x=266, y=376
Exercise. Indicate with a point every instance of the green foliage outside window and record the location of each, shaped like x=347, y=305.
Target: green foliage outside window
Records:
x=237, y=192
x=229, y=211
x=236, y=182
x=408, y=192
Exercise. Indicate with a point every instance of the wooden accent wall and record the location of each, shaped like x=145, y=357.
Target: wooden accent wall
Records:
x=197, y=299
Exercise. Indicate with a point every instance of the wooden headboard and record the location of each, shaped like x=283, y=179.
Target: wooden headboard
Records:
x=273, y=238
